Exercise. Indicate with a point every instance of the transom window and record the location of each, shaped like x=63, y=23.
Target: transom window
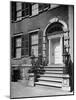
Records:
x=55, y=27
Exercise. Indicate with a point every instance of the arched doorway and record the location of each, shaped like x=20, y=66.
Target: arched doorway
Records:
x=54, y=33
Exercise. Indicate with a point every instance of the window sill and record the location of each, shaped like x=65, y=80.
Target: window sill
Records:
x=16, y=58
x=26, y=56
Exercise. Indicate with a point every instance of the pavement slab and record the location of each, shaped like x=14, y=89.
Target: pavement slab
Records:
x=18, y=90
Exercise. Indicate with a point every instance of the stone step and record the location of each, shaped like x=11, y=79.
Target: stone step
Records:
x=59, y=72
x=56, y=65
x=53, y=68
x=52, y=75
x=51, y=84
x=50, y=79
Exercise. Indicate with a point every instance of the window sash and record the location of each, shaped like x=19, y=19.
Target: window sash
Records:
x=16, y=46
x=34, y=44
x=18, y=42
x=19, y=14
x=35, y=50
x=43, y=6
x=35, y=9
x=18, y=52
x=26, y=9
x=54, y=5
x=18, y=6
x=34, y=39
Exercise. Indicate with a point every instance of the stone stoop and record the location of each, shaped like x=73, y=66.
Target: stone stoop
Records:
x=54, y=77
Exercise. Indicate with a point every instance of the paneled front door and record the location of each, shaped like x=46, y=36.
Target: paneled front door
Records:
x=55, y=50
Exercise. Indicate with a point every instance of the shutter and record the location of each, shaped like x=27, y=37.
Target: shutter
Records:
x=30, y=9
x=13, y=11
x=13, y=45
x=25, y=45
x=40, y=34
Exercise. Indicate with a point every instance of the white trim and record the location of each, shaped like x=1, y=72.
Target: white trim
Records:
x=17, y=34
x=49, y=51
x=55, y=36
x=53, y=20
x=33, y=31
x=56, y=19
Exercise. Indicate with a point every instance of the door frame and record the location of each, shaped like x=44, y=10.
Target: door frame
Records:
x=61, y=43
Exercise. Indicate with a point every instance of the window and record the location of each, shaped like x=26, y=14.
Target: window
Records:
x=19, y=10
x=54, y=5
x=26, y=9
x=16, y=47
x=18, y=7
x=34, y=9
x=34, y=44
x=43, y=6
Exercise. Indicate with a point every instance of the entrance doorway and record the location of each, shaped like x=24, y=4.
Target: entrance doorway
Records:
x=56, y=51
x=54, y=33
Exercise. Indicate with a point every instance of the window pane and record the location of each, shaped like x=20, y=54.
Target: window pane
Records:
x=34, y=39
x=44, y=40
x=18, y=53
x=26, y=51
x=18, y=6
x=27, y=5
x=34, y=9
x=19, y=14
x=44, y=54
x=43, y=6
x=19, y=18
x=18, y=42
x=46, y=6
x=40, y=7
x=34, y=6
x=54, y=5
x=35, y=50
x=44, y=46
x=27, y=12
x=26, y=44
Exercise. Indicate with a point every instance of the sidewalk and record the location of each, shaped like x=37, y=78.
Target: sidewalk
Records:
x=18, y=91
